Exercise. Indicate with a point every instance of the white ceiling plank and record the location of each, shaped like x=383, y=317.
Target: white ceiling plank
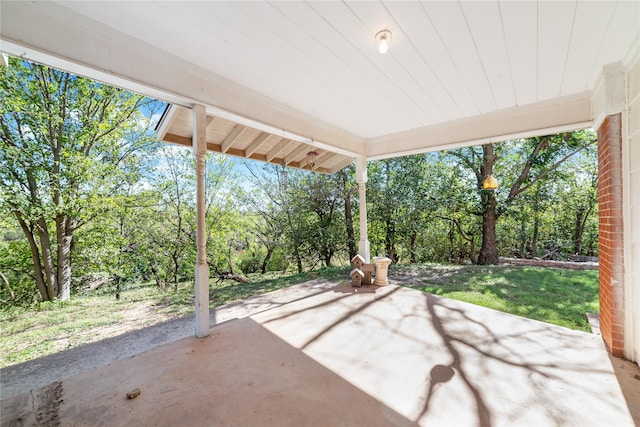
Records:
x=519, y=20
x=626, y=16
x=417, y=26
x=485, y=23
x=541, y=118
x=404, y=64
x=553, y=45
x=360, y=49
x=333, y=76
x=452, y=29
x=585, y=41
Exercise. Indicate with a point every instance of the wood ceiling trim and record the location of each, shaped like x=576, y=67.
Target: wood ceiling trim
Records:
x=294, y=159
x=292, y=156
x=210, y=122
x=324, y=159
x=256, y=144
x=167, y=121
x=232, y=137
x=346, y=162
x=177, y=139
x=279, y=148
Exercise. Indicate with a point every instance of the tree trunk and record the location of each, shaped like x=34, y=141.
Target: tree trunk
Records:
x=534, y=239
x=176, y=267
x=35, y=257
x=390, y=239
x=327, y=259
x=472, y=249
x=348, y=219
x=522, y=251
x=265, y=262
x=64, y=232
x=299, y=261
x=489, y=248
x=47, y=260
x=452, y=246
x=412, y=247
x=229, y=261
x=578, y=230
x=64, y=268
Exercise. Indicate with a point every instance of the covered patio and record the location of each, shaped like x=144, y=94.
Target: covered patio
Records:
x=274, y=81
x=375, y=356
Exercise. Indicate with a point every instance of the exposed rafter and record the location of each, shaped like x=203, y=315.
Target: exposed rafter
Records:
x=256, y=144
x=296, y=154
x=232, y=137
x=323, y=159
x=279, y=149
x=235, y=139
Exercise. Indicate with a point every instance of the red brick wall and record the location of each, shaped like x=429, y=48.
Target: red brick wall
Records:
x=610, y=237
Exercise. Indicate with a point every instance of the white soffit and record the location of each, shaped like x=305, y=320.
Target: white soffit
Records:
x=312, y=68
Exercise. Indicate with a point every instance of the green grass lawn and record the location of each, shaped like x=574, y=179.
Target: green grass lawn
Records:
x=551, y=295
x=26, y=334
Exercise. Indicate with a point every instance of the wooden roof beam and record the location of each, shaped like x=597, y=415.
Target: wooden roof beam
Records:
x=177, y=139
x=292, y=156
x=232, y=137
x=279, y=148
x=342, y=165
x=323, y=159
x=256, y=144
x=210, y=122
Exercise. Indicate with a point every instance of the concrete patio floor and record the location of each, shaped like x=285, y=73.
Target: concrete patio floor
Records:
x=349, y=357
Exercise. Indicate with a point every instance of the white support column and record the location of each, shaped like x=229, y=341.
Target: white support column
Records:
x=202, y=268
x=361, y=177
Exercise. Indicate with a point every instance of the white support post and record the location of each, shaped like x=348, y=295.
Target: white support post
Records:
x=199, y=143
x=361, y=177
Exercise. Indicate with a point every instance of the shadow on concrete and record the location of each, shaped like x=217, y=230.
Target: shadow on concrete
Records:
x=241, y=375
x=394, y=356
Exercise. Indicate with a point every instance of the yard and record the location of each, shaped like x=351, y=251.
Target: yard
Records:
x=556, y=296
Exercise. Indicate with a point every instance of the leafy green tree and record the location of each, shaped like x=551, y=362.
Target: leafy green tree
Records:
x=318, y=198
x=67, y=143
x=404, y=193
x=520, y=164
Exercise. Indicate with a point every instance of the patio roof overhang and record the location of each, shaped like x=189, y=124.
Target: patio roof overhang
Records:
x=456, y=74
x=251, y=140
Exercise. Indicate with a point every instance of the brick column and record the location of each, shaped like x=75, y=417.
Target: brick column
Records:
x=611, y=238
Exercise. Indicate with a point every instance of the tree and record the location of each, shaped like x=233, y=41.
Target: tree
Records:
x=67, y=142
x=348, y=187
x=525, y=162
x=402, y=193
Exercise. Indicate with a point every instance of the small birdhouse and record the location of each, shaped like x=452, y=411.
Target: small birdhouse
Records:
x=356, y=277
x=357, y=261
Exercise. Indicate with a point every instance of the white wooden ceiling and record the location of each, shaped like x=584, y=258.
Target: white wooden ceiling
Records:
x=451, y=65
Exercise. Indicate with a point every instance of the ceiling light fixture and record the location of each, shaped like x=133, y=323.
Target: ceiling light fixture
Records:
x=383, y=38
